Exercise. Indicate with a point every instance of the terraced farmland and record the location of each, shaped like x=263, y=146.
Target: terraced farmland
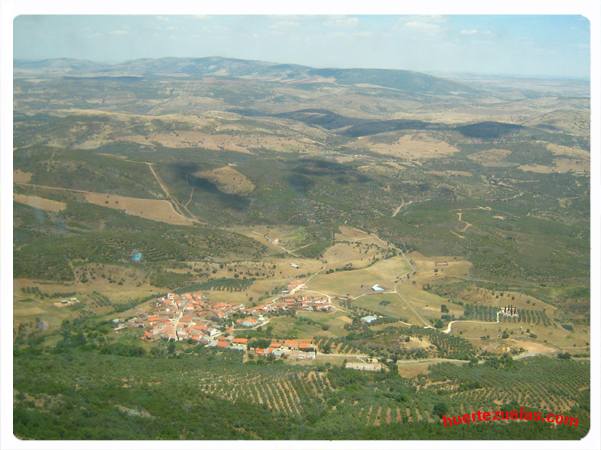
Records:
x=391, y=413
x=334, y=345
x=489, y=314
x=287, y=393
x=539, y=384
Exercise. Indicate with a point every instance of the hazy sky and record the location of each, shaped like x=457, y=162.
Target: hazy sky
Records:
x=519, y=45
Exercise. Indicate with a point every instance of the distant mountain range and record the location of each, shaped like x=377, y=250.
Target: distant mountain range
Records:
x=195, y=68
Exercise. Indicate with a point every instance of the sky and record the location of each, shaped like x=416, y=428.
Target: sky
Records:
x=550, y=46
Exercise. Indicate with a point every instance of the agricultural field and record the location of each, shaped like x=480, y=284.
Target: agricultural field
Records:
x=159, y=210
x=410, y=147
x=357, y=282
x=362, y=404
x=228, y=180
x=387, y=305
x=45, y=204
x=500, y=336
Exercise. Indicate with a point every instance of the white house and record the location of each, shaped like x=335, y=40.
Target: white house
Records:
x=377, y=288
x=369, y=319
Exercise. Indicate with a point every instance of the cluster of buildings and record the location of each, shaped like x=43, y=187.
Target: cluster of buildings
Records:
x=509, y=311
x=187, y=316
x=298, y=349
x=298, y=302
x=181, y=317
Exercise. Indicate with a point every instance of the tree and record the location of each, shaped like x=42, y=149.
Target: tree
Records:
x=440, y=409
x=259, y=343
x=171, y=348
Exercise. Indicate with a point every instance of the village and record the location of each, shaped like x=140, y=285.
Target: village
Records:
x=192, y=318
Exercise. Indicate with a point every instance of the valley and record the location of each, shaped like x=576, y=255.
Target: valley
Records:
x=206, y=247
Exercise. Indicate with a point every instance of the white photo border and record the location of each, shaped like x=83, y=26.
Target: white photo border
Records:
x=9, y=9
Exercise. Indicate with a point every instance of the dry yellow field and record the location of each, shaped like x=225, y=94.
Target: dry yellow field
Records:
x=428, y=268
x=427, y=305
x=531, y=346
x=389, y=305
x=343, y=253
x=538, y=168
x=560, y=165
x=482, y=296
x=412, y=368
x=228, y=180
x=264, y=288
x=280, y=237
x=152, y=209
x=40, y=202
x=351, y=234
x=553, y=337
x=20, y=176
x=416, y=343
x=570, y=152
x=419, y=146
x=357, y=282
x=569, y=159
x=358, y=253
